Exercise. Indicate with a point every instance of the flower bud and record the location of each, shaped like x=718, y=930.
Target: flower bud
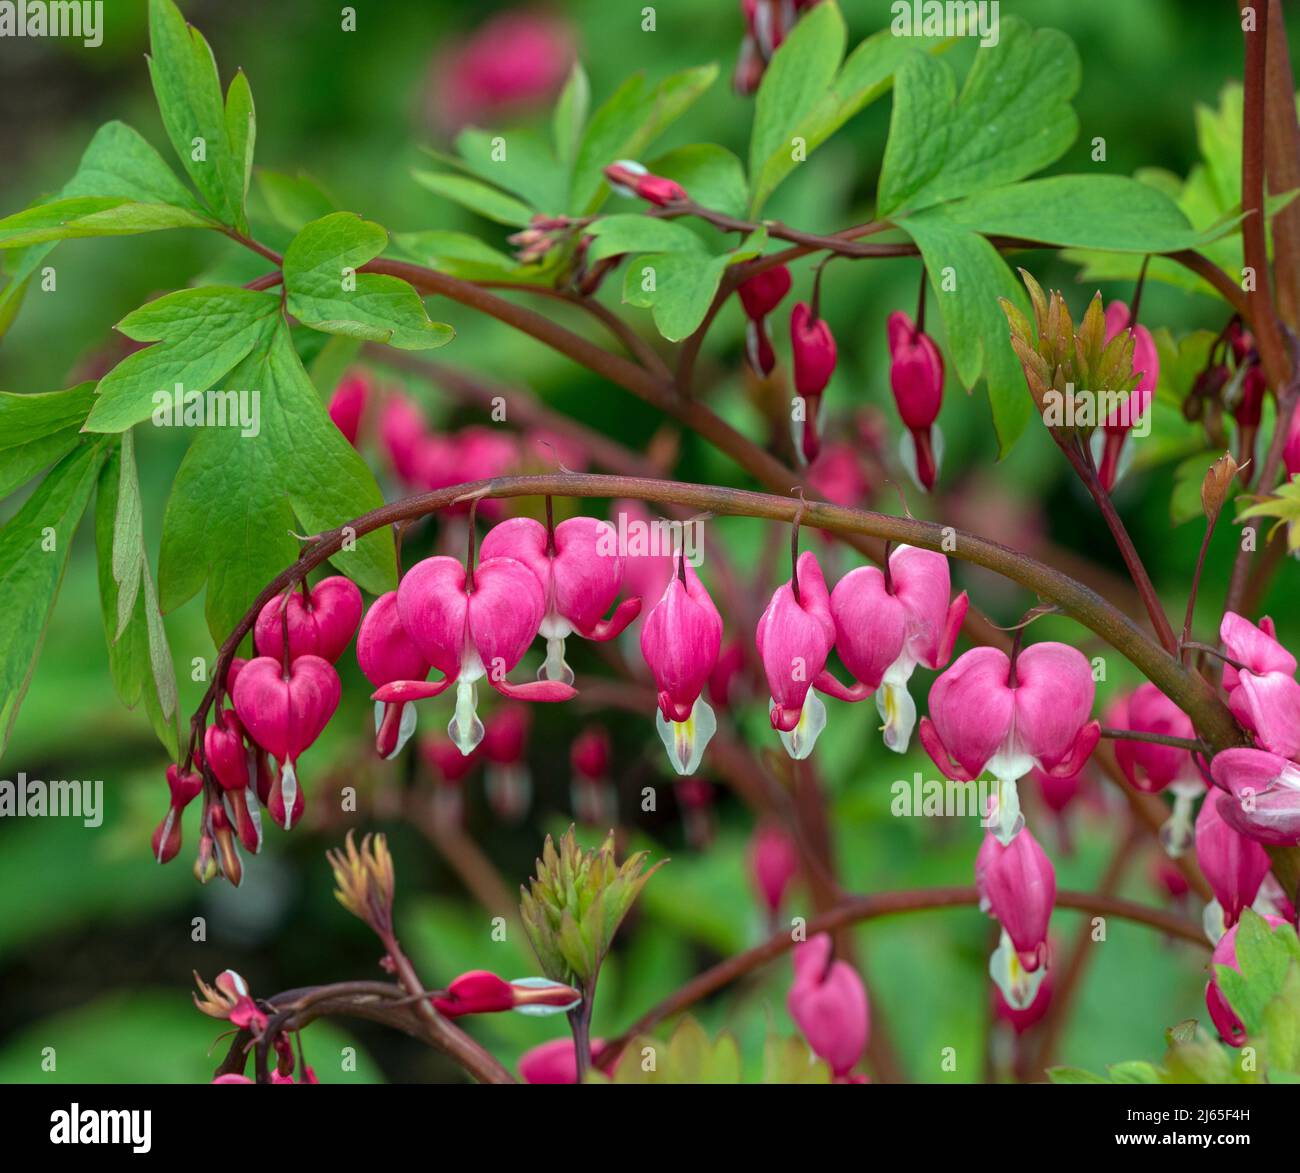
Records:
x=632, y=179
x=1217, y=485
x=916, y=378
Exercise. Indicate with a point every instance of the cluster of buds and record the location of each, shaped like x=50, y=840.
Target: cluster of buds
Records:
x=916, y=378
x=573, y=906
x=544, y=233
x=767, y=24
x=365, y=882
x=281, y=702
x=1017, y=886
x=229, y=999
x=1091, y=386
x=632, y=180
x=828, y=1003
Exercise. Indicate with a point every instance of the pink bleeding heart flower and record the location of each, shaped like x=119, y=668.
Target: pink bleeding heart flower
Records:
x=774, y=864
x=1231, y=1029
x=1150, y=767
x=321, y=620
x=230, y=759
x=647, y=566
x=1264, y=694
x=1234, y=865
x=285, y=714
x=838, y=476
x=590, y=753
x=481, y=992
x=763, y=292
x=1022, y=1020
x=727, y=683
x=516, y=59
x=1058, y=793
x=402, y=432
x=556, y=1061
x=183, y=786
x=814, y=352
x=759, y=296
x=471, y=627
x=386, y=653
x=479, y=454
x=916, y=378
x=1017, y=886
x=987, y=712
x=1110, y=452
x=795, y=635
x=632, y=180
x=348, y=404
x=580, y=572
x=828, y=1003
x=1263, y=799
x=1291, y=453
x=886, y=627
x=1255, y=647
x=680, y=639
x=507, y=779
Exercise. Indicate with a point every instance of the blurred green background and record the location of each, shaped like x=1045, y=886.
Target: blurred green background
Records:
x=96, y=942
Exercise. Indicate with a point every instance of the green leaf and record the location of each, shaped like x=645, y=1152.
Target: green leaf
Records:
x=1281, y=1021
x=241, y=128
x=237, y=500
x=34, y=548
x=1012, y=118
x=1073, y=1075
x=788, y=1060
x=461, y=255
x=82, y=216
x=294, y=201
x=37, y=430
x=327, y=293
x=794, y=84
x=711, y=174
x=806, y=96
x=1084, y=211
x=978, y=340
x=626, y=124
x=138, y=654
x=478, y=197
x=185, y=81
x=1264, y=959
x=120, y=162
x=640, y=234
x=520, y=162
x=571, y=115
x=1134, y=1071
x=684, y=285
x=201, y=334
